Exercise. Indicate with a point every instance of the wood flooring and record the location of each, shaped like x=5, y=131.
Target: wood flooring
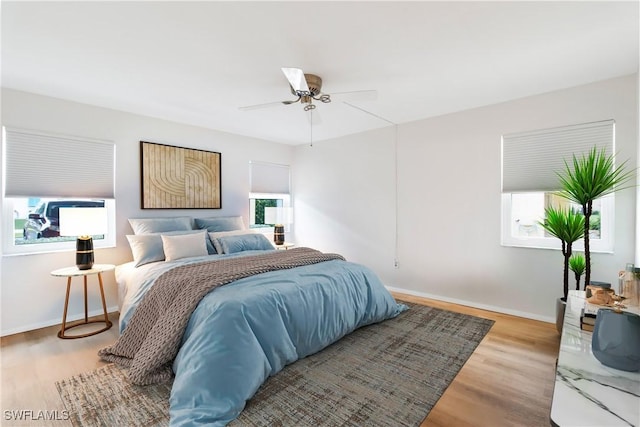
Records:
x=508, y=381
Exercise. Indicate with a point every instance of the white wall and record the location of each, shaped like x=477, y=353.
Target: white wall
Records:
x=449, y=200
x=30, y=297
x=345, y=198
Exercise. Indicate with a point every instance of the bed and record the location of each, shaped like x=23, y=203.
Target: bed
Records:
x=241, y=333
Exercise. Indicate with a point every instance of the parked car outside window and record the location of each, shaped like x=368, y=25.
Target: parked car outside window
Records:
x=44, y=221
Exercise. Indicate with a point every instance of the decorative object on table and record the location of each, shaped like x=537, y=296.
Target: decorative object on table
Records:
x=577, y=264
x=587, y=320
x=592, y=176
x=600, y=296
x=600, y=293
x=630, y=285
x=568, y=226
x=595, y=285
x=84, y=223
x=616, y=339
x=179, y=178
x=278, y=216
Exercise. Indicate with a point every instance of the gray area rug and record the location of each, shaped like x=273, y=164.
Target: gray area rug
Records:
x=391, y=373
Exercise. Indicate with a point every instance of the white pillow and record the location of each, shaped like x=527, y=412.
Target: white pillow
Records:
x=216, y=243
x=183, y=246
x=145, y=248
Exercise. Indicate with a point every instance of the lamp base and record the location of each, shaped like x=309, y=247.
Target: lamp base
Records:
x=278, y=234
x=84, y=252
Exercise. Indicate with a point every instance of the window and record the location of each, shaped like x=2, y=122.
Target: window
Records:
x=269, y=187
x=35, y=225
x=522, y=211
x=44, y=172
x=530, y=161
x=259, y=201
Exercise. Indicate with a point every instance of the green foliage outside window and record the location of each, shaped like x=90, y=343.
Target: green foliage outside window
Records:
x=264, y=203
x=594, y=221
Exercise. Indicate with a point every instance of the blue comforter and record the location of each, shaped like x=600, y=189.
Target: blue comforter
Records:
x=242, y=333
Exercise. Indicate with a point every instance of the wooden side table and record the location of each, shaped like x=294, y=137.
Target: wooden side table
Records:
x=69, y=273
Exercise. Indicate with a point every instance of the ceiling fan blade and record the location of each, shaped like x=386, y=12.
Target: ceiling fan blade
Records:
x=297, y=81
x=355, y=95
x=267, y=105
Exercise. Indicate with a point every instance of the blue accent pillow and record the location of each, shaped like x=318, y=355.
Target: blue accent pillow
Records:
x=160, y=225
x=223, y=223
x=245, y=242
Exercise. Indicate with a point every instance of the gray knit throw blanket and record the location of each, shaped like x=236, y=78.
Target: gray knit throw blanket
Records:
x=152, y=338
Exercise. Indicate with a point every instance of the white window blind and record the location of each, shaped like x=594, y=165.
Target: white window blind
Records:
x=269, y=178
x=38, y=164
x=530, y=160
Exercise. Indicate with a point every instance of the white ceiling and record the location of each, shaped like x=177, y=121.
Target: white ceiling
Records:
x=197, y=62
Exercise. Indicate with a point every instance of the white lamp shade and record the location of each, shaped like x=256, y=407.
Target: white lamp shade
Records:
x=278, y=215
x=83, y=221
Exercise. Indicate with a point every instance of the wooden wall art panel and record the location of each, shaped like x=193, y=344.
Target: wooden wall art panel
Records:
x=179, y=178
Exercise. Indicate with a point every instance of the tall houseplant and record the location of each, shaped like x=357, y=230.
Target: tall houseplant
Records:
x=590, y=177
x=568, y=226
x=577, y=264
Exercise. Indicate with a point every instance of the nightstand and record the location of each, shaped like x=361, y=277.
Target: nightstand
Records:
x=284, y=246
x=71, y=272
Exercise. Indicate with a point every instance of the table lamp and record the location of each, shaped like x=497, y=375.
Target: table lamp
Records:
x=279, y=217
x=83, y=223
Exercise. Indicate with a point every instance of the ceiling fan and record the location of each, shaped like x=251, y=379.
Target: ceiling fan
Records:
x=308, y=88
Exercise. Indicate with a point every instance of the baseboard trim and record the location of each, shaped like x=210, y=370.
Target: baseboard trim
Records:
x=494, y=308
x=497, y=309
x=47, y=323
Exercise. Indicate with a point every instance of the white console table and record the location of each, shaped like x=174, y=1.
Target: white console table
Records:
x=586, y=392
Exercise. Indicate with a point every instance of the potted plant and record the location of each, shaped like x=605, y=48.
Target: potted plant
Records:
x=590, y=177
x=568, y=226
x=577, y=264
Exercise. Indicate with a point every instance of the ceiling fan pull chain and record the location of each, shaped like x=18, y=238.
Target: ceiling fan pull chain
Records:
x=311, y=127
